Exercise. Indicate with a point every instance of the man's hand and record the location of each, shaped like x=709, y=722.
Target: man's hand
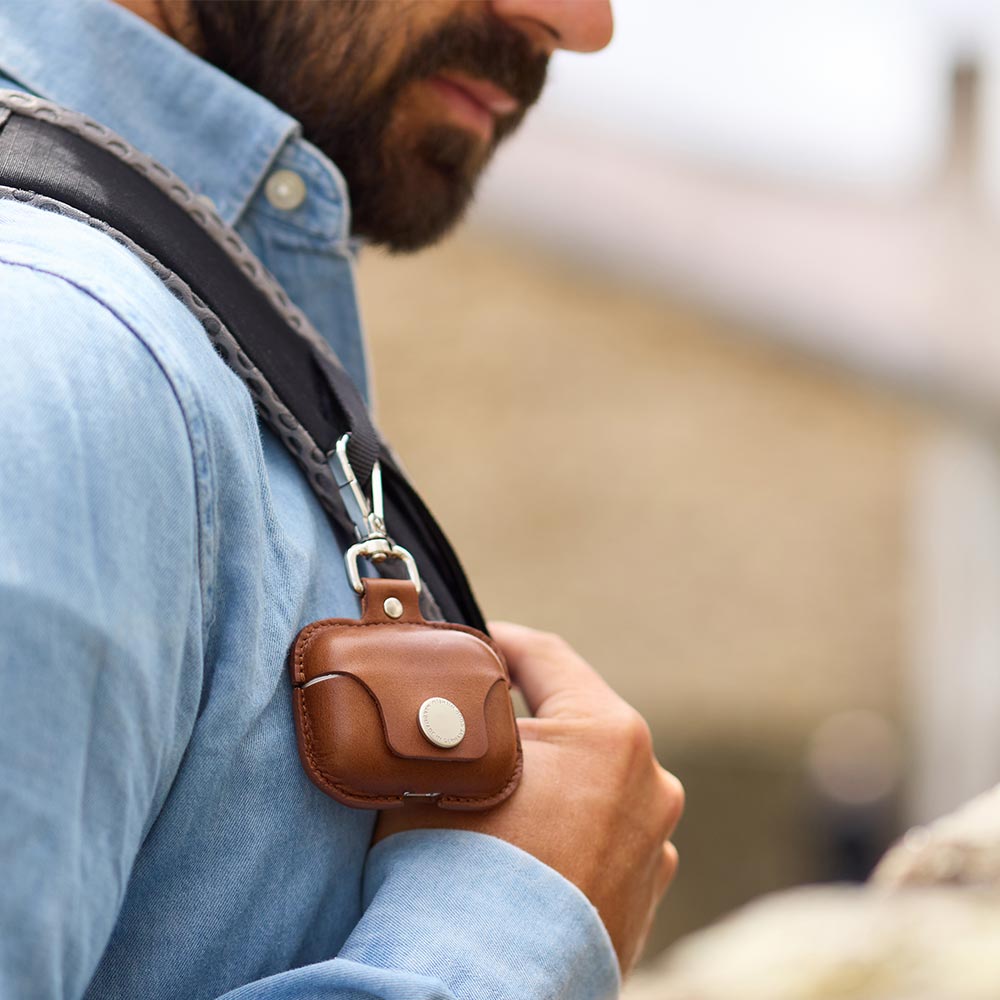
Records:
x=593, y=802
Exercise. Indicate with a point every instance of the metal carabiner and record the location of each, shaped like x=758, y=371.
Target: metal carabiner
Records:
x=368, y=519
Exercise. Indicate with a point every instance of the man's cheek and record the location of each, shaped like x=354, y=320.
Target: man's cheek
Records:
x=390, y=31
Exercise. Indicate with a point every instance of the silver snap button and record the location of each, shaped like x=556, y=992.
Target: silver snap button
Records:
x=441, y=722
x=393, y=607
x=285, y=189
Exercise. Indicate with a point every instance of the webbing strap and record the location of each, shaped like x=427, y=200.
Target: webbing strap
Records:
x=299, y=387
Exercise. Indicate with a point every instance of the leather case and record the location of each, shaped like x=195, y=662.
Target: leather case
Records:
x=369, y=693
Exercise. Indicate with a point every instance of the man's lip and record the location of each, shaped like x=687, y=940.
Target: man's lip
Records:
x=493, y=98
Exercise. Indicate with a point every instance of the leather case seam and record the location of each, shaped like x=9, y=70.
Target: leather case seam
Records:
x=302, y=645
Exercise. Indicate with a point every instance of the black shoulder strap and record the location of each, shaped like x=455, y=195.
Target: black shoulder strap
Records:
x=298, y=385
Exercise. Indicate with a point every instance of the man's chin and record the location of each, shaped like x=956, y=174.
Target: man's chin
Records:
x=410, y=227
x=421, y=201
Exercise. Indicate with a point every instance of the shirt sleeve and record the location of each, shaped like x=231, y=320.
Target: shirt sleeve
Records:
x=102, y=603
x=456, y=915
x=486, y=917
x=99, y=611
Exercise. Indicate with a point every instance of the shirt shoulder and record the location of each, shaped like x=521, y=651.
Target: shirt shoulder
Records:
x=108, y=381
x=106, y=537
x=77, y=261
x=76, y=300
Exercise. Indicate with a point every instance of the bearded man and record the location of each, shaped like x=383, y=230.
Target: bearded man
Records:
x=160, y=549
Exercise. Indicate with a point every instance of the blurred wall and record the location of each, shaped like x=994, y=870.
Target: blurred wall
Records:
x=717, y=525
x=820, y=170
x=709, y=385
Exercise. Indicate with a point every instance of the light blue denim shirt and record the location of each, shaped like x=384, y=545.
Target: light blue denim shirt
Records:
x=159, y=550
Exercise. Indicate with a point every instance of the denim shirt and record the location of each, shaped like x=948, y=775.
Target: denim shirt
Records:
x=159, y=550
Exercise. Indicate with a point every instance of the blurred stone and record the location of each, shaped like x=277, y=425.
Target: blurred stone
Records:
x=926, y=928
x=962, y=848
x=839, y=943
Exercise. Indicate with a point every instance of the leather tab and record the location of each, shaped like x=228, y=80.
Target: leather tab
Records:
x=379, y=590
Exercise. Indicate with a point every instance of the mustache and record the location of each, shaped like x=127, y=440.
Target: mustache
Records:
x=485, y=47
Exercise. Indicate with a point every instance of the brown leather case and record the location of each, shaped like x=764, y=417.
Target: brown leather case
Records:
x=358, y=686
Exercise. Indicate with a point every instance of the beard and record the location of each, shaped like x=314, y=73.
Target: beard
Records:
x=325, y=64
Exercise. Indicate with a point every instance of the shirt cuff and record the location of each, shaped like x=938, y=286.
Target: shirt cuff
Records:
x=482, y=916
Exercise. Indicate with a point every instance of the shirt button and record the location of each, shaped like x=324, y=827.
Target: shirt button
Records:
x=285, y=189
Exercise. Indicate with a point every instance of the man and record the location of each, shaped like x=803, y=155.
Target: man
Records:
x=159, y=549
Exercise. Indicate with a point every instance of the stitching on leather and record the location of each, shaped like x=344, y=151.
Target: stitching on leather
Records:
x=326, y=778
x=302, y=713
x=479, y=798
x=303, y=642
x=329, y=781
x=499, y=794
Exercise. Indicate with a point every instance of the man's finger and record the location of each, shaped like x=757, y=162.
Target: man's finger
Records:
x=552, y=677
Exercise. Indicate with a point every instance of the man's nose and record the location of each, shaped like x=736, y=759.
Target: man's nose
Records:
x=577, y=25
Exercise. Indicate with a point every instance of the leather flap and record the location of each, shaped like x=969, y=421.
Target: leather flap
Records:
x=401, y=666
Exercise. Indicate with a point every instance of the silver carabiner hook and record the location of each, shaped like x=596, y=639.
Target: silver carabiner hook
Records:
x=368, y=519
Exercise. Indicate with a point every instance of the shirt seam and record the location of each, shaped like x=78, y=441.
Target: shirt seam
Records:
x=205, y=538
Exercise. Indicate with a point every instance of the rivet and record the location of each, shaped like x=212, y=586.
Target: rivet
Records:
x=285, y=189
x=441, y=722
x=393, y=607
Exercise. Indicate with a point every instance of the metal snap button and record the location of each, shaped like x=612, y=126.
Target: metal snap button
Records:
x=285, y=189
x=441, y=722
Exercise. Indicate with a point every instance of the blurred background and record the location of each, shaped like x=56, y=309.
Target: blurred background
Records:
x=709, y=385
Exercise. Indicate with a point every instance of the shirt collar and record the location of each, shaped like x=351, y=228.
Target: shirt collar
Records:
x=96, y=57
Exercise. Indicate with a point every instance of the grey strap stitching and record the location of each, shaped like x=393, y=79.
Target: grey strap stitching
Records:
x=277, y=416
x=272, y=410
x=268, y=404
x=198, y=207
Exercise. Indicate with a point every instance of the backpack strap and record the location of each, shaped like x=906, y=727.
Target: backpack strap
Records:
x=51, y=154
